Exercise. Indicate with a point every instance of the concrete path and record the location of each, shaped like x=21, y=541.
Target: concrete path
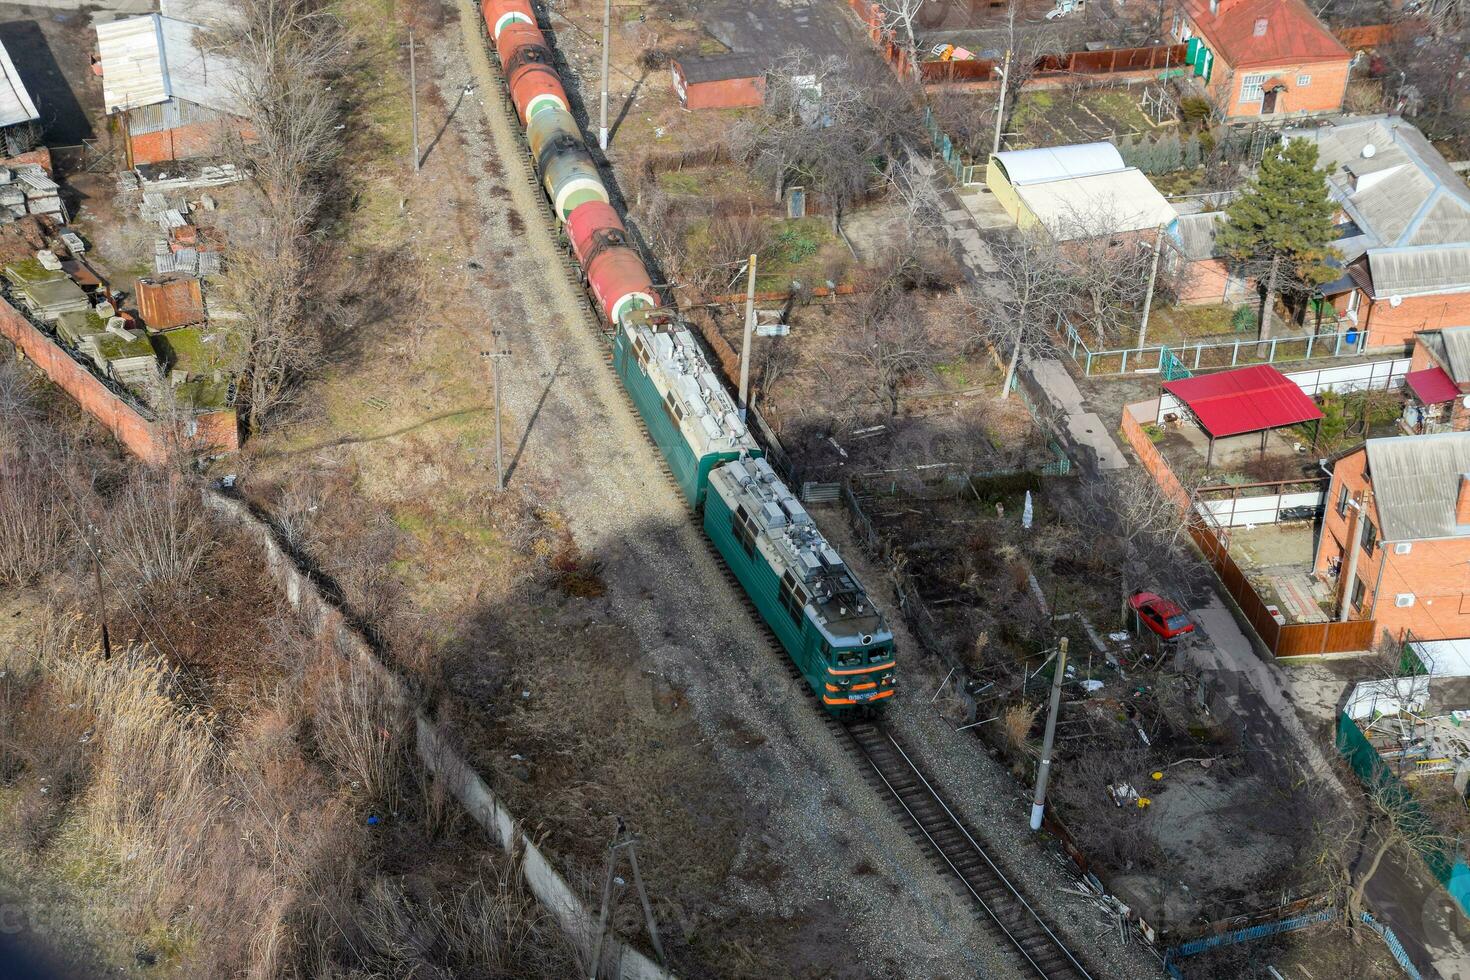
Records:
x=1402, y=893
x=964, y=217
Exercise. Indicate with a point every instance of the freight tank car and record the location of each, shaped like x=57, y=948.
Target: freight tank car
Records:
x=688, y=414
x=811, y=600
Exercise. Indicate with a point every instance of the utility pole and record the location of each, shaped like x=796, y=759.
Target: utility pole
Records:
x=1354, y=547
x=1000, y=105
x=1043, y=771
x=495, y=357
x=606, y=44
x=1148, y=298
x=745, y=343
x=101, y=596
x=624, y=842
x=413, y=92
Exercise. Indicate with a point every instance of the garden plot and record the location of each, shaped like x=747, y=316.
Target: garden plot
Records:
x=1062, y=116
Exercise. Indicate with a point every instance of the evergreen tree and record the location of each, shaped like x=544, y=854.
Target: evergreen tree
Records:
x=1170, y=153
x=1191, y=152
x=1281, y=225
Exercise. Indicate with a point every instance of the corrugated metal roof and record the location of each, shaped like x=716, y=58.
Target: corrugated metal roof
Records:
x=1058, y=162
x=1246, y=399
x=1197, y=234
x=1096, y=205
x=1451, y=348
x=1416, y=481
x=1395, y=185
x=151, y=59
x=16, y=106
x=171, y=302
x=1422, y=269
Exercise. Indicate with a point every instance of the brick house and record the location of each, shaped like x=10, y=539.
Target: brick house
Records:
x=1438, y=382
x=1203, y=275
x=169, y=90
x=1404, y=505
x=1263, y=57
x=1404, y=229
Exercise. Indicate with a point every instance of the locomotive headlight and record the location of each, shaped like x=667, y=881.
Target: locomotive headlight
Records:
x=887, y=678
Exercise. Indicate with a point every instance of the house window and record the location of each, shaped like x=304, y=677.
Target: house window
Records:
x=1252, y=88
x=1260, y=30
x=1367, y=537
x=1342, y=501
x=1302, y=81
x=1359, y=590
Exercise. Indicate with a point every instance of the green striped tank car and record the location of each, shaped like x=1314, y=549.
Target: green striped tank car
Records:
x=688, y=413
x=812, y=601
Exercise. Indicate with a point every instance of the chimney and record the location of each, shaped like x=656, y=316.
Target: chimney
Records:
x=1214, y=6
x=1462, y=500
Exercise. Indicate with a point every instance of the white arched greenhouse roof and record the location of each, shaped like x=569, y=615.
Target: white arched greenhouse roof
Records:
x=1059, y=162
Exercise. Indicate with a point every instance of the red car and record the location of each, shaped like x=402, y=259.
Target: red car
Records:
x=1160, y=615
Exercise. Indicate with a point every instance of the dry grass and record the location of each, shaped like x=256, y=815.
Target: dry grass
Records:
x=1016, y=723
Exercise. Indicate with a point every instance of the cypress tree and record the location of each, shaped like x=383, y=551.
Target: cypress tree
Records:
x=1282, y=223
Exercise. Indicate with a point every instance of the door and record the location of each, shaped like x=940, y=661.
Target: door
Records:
x=1268, y=104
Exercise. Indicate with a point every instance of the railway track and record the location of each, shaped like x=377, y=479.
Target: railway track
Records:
x=932, y=822
x=956, y=850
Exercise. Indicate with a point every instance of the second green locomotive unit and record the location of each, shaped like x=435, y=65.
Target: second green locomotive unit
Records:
x=811, y=599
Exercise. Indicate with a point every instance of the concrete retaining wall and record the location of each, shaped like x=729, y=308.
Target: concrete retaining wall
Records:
x=437, y=754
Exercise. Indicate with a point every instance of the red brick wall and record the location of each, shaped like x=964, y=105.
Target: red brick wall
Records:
x=182, y=142
x=142, y=438
x=1395, y=326
x=1205, y=282
x=1434, y=572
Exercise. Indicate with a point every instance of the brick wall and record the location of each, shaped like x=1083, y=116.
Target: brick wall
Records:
x=1323, y=93
x=1208, y=281
x=139, y=435
x=1395, y=326
x=181, y=142
x=1434, y=572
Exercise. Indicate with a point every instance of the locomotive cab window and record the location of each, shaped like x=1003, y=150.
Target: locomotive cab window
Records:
x=641, y=353
x=741, y=527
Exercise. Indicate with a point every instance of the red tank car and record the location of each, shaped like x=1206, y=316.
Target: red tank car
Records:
x=499, y=14
x=525, y=57
x=620, y=282
x=592, y=227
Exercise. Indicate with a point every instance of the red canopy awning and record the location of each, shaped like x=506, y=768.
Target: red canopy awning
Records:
x=1432, y=386
x=1247, y=399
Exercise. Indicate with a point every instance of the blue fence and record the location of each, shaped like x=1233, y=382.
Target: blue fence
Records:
x=1252, y=933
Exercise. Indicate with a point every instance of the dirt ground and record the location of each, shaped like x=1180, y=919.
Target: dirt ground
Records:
x=638, y=685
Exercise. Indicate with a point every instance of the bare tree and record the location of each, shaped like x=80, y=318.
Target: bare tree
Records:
x=890, y=344
x=156, y=531
x=1109, y=270
x=289, y=50
x=1142, y=528
x=898, y=18
x=1015, y=311
x=825, y=123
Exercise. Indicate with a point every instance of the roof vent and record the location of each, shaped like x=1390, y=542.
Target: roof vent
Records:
x=1368, y=151
x=1260, y=27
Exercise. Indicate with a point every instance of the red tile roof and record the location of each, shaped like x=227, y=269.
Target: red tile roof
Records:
x=1247, y=399
x=1293, y=35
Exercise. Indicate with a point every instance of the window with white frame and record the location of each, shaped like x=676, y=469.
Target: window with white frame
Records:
x=1302, y=81
x=1252, y=87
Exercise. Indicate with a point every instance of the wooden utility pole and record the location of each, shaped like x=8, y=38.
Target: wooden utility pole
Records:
x=1148, y=297
x=745, y=343
x=624, y=842
x=606, y=45
x=495, y=357
x=1043, y=771
x=92, y=546
x=413, y=91
x=1000, y=105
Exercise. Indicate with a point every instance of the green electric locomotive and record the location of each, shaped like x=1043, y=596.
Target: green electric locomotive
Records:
x=803, y=590
x=690, y=416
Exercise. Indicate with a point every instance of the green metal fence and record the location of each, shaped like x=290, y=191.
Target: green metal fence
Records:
x=965, y=171
x=1211, y=353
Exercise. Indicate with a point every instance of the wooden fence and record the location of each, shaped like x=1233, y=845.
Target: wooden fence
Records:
x=1293, y=640
x=1152, y=58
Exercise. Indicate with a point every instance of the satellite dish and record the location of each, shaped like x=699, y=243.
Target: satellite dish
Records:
x=1465, y=401
x=1395, y=300
x=1368, y=151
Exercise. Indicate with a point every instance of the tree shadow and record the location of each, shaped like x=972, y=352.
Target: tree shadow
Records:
x=464, y=90
x=531, y=423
